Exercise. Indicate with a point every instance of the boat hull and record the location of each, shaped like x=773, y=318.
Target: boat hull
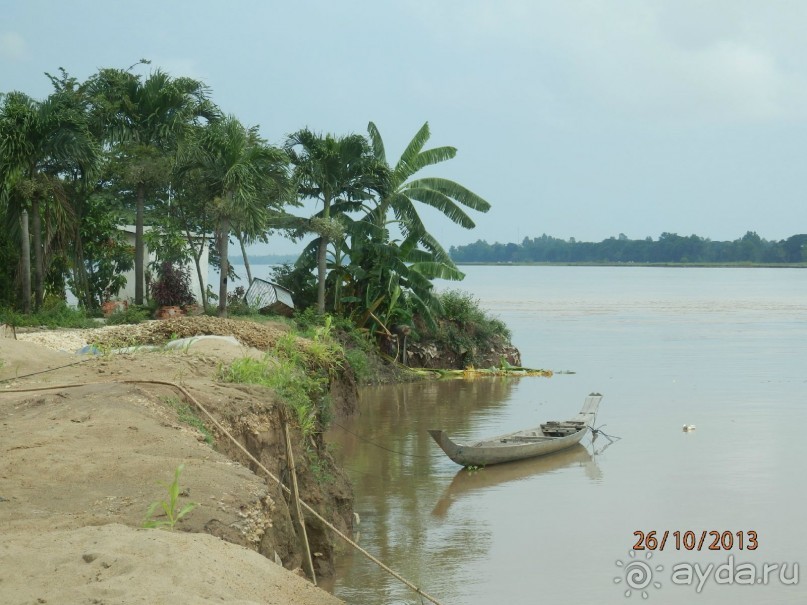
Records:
x=546, y=439
x=483, y=456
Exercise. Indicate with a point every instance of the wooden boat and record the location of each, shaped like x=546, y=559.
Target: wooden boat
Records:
x=545, y=439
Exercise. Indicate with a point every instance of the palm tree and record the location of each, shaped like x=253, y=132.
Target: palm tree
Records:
x=340, y=173
x=244, y=177
x=147, y=117
x=39, y=141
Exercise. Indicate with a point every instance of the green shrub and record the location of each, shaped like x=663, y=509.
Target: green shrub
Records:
x=305, y=393
x=360, y=363
x=54, y=314
x=465, y=327
x=236, y=305
x=462, y=308
x=301, y=282
x=132, y=315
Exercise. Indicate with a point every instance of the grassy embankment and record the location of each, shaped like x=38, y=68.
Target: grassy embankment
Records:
x=313, y=351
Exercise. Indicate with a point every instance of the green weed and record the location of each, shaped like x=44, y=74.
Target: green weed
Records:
x=466, y=327
x=320, y=469
x=173, y=512
x=187, y=415
x=289, y=379
x=54, y=314
x=132, y=315
x=360, y=363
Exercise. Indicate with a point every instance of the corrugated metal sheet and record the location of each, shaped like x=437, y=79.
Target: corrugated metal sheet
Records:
x=267, y=296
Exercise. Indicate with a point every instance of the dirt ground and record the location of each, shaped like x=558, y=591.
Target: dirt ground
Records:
x=79, y=467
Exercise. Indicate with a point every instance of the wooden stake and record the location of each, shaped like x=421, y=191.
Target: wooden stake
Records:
x=296, y=498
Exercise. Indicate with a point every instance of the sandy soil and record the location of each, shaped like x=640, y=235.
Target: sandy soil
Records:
x=79, y=468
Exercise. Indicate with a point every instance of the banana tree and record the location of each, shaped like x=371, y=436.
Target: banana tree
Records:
x=398, y=198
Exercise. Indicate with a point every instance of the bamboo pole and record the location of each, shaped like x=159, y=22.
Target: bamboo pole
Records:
x=296, y=498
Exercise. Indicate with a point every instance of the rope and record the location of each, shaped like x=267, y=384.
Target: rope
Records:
x=75, y=363
x=257, y=462
x=599, y=431
x=379, y=446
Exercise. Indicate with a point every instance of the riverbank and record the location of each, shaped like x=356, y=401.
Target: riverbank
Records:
x=82, y=465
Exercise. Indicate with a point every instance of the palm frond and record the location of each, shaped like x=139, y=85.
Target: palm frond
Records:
x=403, y=169
x=440, y=201
x=376, y=143
x=435, y=270
x=433, y=156
x=454, y=190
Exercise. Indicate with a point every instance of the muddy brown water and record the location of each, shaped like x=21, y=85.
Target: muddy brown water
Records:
x=723, y=349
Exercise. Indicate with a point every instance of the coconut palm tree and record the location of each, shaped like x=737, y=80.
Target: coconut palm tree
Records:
x=147, y=117
x=40, y=141
x=340, y=172
x=244, y=177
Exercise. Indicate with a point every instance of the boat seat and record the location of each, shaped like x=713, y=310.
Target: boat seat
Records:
x=561, y=429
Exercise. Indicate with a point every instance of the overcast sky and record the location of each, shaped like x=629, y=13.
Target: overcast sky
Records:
x=581, y=119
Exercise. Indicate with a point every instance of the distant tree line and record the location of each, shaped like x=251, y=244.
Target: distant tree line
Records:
x=668, y=248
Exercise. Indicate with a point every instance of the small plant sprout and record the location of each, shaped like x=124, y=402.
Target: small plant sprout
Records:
x=173, y=513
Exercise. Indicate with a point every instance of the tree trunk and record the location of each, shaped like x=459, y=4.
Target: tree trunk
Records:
x=25, y=254
x=322, y=267
x=223, y=242
x=197, y=259
x=202, y=284
x=246, y=260
x=39, y=261
x=140, y=275
x=82, y=282
x=322, y=256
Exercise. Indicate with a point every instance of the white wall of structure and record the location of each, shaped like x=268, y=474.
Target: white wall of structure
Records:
x=128, y=291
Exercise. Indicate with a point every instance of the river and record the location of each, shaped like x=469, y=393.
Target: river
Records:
x=723, y=349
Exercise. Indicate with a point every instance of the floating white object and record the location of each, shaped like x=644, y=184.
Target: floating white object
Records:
x=689, y=427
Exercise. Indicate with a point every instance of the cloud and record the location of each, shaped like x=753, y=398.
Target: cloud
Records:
x=725, y=60
x=12, y=46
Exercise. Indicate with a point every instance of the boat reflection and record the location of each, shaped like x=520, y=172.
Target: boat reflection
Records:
x=467, y=481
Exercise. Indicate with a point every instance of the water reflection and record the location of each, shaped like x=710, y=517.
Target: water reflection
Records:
x=398, y=475
x=467, y=481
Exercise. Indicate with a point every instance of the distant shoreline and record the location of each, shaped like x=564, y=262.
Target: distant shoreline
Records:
x=280, y=259
x=269, y=259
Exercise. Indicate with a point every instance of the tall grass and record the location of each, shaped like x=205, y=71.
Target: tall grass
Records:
x=466, y=327
x=54, y=314
x=298, y=374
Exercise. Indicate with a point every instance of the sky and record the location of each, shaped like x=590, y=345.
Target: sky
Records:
x=573, y=118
